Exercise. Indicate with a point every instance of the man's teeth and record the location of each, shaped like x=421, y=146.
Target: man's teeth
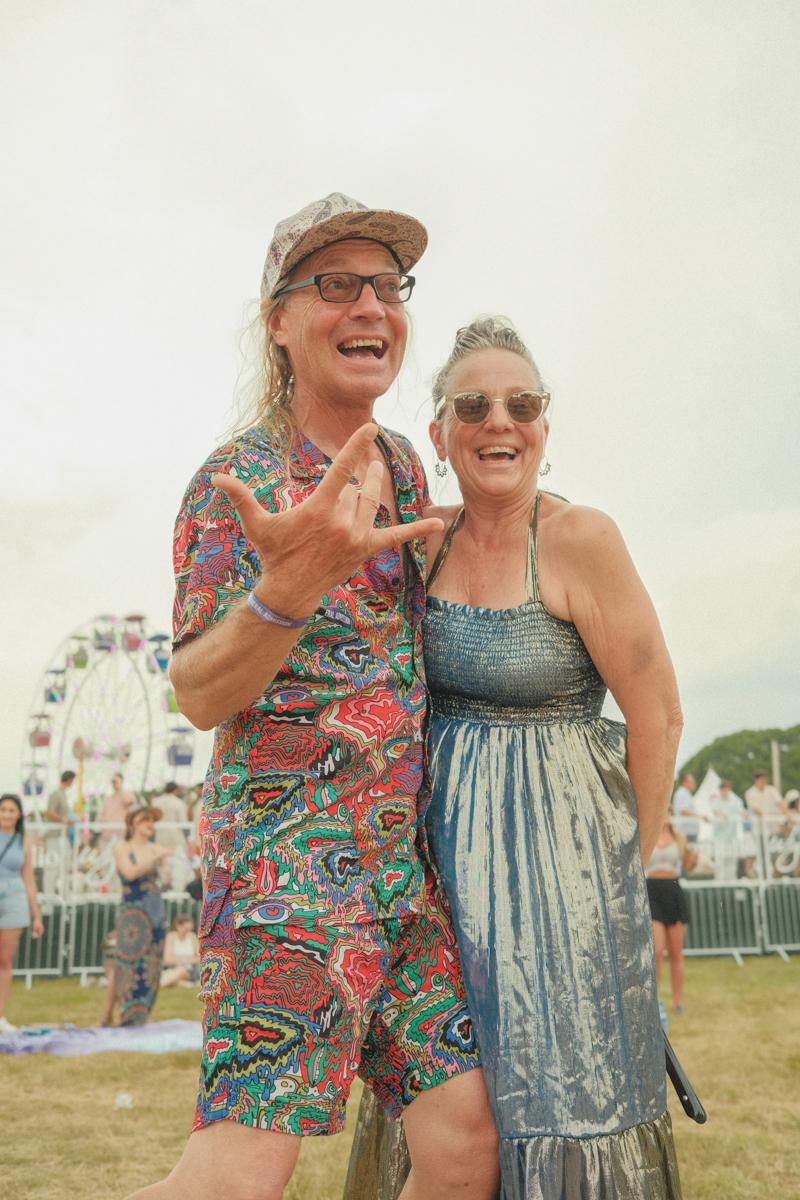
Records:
x=374, y=344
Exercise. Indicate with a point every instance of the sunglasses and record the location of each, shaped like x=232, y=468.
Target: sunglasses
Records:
x=472, y=408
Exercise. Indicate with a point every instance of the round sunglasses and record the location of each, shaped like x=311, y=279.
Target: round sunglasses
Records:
x=472, y=408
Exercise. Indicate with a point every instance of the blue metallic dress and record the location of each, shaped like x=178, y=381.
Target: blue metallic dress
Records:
x=533, y=826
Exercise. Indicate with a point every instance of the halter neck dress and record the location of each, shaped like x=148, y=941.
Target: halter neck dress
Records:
x=533, y=826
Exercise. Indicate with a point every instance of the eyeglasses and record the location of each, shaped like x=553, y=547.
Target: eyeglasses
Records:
x=523, y=407
x=343, y=287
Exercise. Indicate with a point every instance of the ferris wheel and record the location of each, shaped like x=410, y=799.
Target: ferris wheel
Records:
x=104, y=704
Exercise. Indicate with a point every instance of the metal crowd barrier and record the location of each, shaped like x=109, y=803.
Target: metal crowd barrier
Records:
x=80, y=893
x=72, y=943
x=780, y=904
x=724, y=919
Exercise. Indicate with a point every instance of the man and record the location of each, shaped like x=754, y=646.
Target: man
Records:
x=763, y=799
x=168, y=834
x=173, y=813
x=726, y=810
x=116, y=807
x=685, y=809
x=325, y=946
x=59, y=813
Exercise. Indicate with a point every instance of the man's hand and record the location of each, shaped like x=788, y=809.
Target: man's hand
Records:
x=318, y=544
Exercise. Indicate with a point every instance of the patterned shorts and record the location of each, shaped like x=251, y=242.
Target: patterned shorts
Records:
x=293, y=1013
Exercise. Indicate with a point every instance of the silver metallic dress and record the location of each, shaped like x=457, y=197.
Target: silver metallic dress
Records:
x=533, y=826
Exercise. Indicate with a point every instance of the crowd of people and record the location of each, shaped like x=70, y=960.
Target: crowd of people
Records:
x=728, y=833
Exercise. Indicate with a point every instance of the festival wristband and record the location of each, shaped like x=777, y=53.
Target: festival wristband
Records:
x=271, y=617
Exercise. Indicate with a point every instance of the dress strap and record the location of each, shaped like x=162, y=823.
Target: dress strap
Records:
x=531, y=574
x=438, y=562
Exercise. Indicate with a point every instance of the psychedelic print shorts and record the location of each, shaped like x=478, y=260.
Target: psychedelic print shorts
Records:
x=292, y=1013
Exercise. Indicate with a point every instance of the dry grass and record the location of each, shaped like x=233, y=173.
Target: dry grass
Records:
x=62, y=1136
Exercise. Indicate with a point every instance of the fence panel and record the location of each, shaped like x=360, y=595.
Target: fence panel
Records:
x=44, y=955
x=93, y=919
x=90, y=922
x=723, y=919
x=781, y=907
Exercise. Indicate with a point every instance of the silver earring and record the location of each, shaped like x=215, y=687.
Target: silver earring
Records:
x=544, y=469
x=440, y=468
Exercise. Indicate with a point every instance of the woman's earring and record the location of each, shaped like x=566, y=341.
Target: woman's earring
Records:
x=544, y=469
x=440, y=468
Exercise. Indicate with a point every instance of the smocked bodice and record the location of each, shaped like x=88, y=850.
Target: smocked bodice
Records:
x=508, y=666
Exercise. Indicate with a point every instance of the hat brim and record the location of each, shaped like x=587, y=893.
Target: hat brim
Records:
x=149, y=811
x=403, y=235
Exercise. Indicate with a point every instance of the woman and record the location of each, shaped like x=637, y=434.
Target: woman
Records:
x=19, y=903
x=140, y=921
x=669, y=908
x=541, y=810
x=181, y=954
x=299, y=597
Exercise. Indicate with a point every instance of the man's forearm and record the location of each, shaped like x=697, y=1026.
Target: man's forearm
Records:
x=221, y=672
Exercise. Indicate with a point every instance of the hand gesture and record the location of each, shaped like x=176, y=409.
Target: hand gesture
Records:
x=318, y=544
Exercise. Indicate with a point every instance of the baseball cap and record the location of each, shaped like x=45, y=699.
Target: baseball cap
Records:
x=332, y=220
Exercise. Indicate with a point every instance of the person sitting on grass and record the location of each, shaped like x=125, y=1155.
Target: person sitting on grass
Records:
x=181, y=954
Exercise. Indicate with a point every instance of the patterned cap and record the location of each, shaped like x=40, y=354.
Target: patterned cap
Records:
x=332, y=220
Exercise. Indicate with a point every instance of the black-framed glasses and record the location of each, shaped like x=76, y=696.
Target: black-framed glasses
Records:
x=343, y=287
x=523, y=407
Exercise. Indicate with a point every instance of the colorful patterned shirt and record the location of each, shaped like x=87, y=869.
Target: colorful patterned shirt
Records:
x=310, y=802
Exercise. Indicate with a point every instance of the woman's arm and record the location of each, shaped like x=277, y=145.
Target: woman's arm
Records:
x=37, y=925
x=129, y=870
x=616, y=619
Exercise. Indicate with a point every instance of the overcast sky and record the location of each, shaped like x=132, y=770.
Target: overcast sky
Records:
x=620, y=178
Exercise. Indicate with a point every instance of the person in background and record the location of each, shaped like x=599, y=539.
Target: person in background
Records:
x=726, y=811
x=59, y=813
x=669, y=908
x=685, y=809
x=116, y=807
x=763, y=798
x=174, y=810
x=140, y=921
x=19, y=903
x=181, y=953
x=171, y=832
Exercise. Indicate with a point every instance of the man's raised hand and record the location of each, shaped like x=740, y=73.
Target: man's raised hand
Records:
x=318, y=544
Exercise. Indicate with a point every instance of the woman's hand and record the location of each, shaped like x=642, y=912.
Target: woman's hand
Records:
x=37, y=927
x=316, y=545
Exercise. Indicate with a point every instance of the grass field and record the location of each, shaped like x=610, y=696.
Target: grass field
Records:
x=62, y=1136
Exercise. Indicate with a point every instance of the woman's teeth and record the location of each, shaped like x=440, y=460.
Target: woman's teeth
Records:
x=497, y=452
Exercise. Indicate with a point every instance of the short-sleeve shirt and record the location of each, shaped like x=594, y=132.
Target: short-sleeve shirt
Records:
x=767, y=800
x=58, y=804
x=310, y=802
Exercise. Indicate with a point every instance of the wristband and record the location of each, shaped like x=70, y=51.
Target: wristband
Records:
x=271, y=617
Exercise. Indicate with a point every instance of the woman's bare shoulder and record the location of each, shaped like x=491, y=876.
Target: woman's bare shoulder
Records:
x=445, y=512
x=577, y=524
